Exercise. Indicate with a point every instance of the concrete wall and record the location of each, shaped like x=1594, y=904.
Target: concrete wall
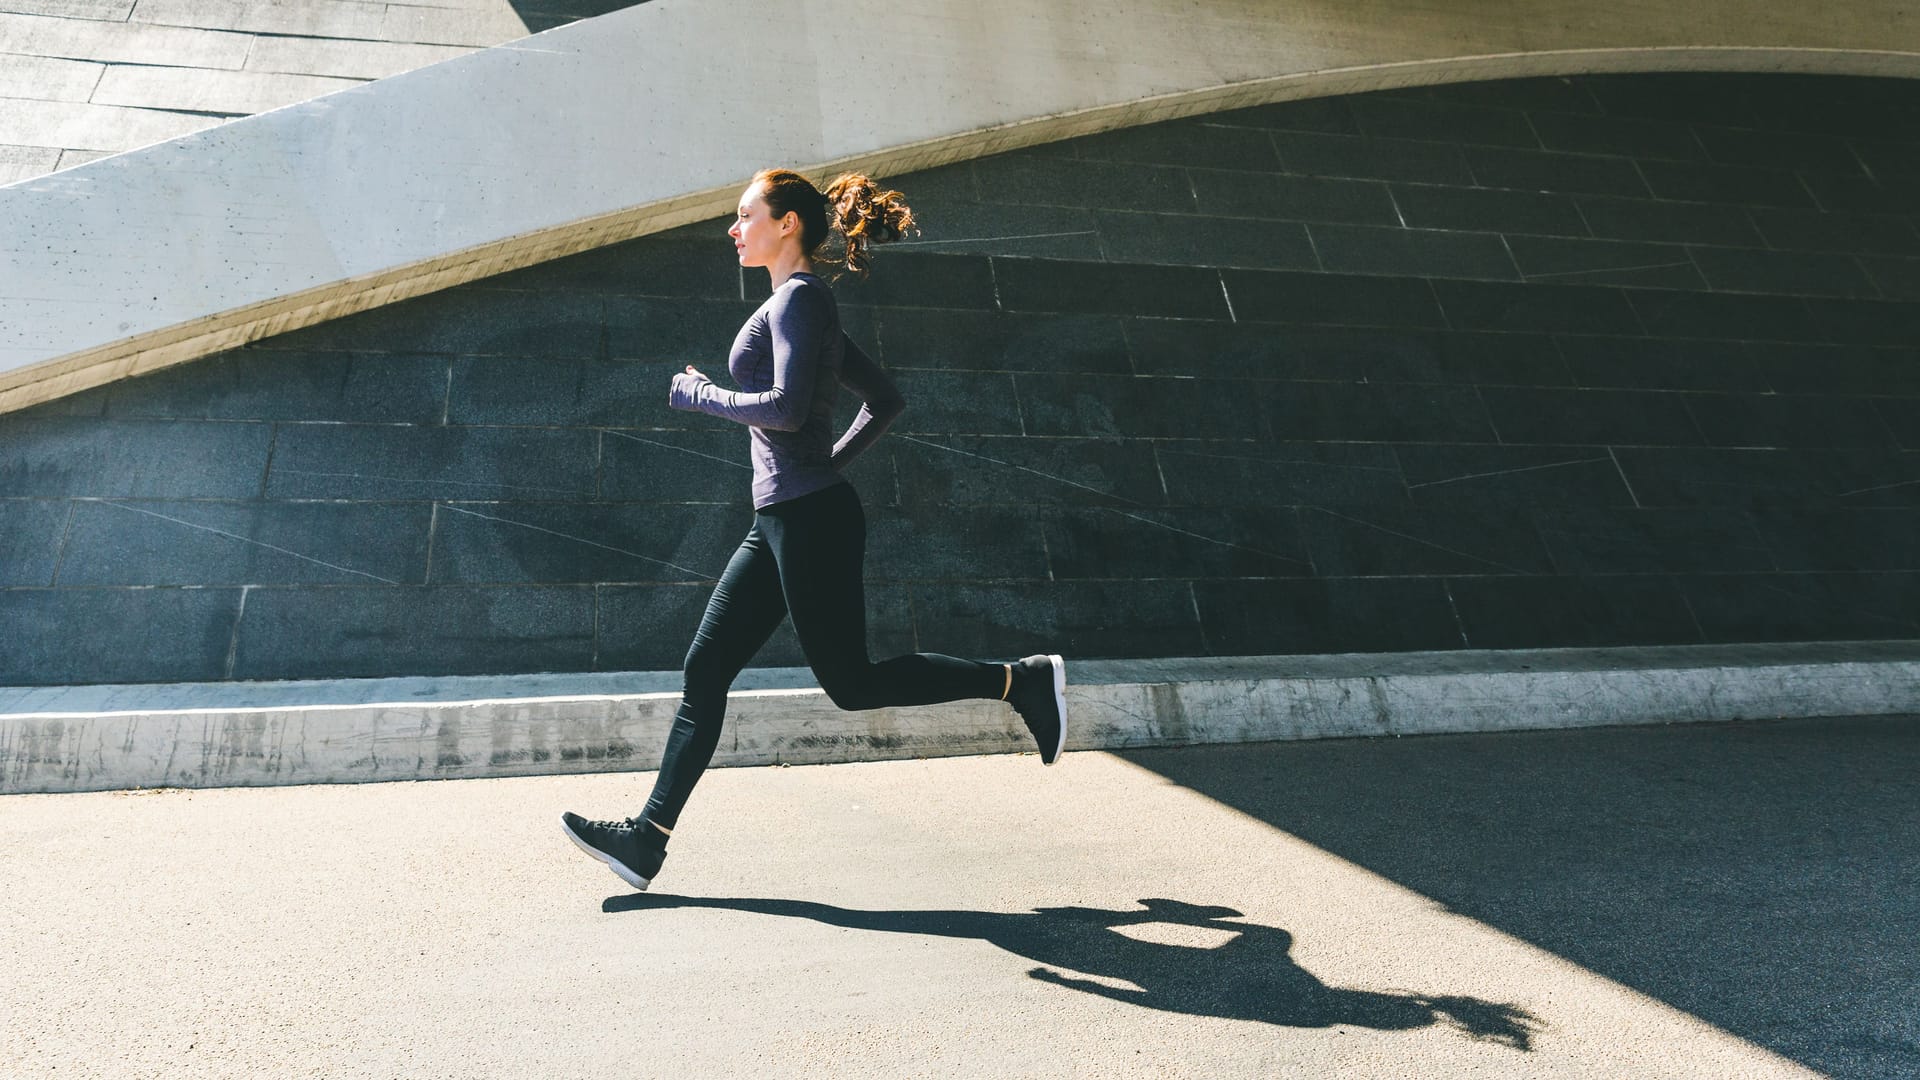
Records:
x=82, y=79
x=1557, y=362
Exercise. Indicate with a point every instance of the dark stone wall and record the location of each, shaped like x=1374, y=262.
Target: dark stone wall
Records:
x=1600, y=361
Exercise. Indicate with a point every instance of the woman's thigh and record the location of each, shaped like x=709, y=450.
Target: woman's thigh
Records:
x=745, y=609
x=820, y=551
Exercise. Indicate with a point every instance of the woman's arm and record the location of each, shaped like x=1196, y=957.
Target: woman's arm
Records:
x=797, y=322
x=881, y=403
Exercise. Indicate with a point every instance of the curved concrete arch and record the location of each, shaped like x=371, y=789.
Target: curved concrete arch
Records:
x=653, y=117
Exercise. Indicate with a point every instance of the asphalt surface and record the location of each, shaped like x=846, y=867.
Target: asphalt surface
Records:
x=1701, y=901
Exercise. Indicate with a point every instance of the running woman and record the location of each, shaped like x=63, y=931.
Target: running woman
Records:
x=802, y=558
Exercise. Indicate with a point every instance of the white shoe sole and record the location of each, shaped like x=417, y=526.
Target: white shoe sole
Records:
x=619, y=868
x=1059, y=703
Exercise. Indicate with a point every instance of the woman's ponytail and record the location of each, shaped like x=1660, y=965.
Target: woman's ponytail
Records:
x=865, y=214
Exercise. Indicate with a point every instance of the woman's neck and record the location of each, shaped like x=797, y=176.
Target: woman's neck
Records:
x=786, y=266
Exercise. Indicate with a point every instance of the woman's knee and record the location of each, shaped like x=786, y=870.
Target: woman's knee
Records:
x=706, y=674
x=849, y=690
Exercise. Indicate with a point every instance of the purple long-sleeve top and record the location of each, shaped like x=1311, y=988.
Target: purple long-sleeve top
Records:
x=789, y=360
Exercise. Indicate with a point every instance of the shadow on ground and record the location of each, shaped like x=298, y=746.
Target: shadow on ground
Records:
x=1243, y=973
x=1764, y=877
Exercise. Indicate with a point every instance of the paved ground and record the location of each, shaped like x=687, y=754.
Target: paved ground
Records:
x=1727, y=900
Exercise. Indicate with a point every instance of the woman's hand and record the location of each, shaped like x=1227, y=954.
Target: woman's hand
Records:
x=686, y=389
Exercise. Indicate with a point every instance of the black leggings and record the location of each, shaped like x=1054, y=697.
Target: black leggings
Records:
x=801, y=558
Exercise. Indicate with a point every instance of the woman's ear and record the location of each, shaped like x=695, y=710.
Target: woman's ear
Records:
x=790, y=222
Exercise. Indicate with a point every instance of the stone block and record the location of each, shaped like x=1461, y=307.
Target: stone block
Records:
x=514, y=390
x=1668, y=314
x=1591, y=541
x=47, y=78
x=1783, y=273
x=82, y=126
x=234, y=93
x=31, y=533
x=1635, y=137
x=1361, y=249
x=1247, y=541
x=1101, y=289
x=346, y=59
x=483, y=543
x=1185, y=240
x=1862, y=194
x=1079, y=618
x=675, y=332
x=1667, y=222
x=150, y=459
x=1652, y=364
x=1895, y=324
x=367, y=461
x=1372, y=412
x=1535, y=308
x=59, y=636
x=1241, y=194
x=1133, y=407
x=1331, y=299
x=262, y=384
x=1002, y=341
x=958, y=402
x=1417, y=541
x=973, y=470
x=988, y=228
x=1268, y=474
x=1804, y=607
x=24, y=162
x=1579, y=261
x=1776, y=149
x=122, y=42
x=1840, y=539
x=1326, y=615
x=334, y=632
x=927, y=542
x=1098, y=185
x=1316, y=154
x=1773, y=420
x=1889, y=371
x=1711, y=476
x=1592, y=417
x=1736, y=184
x=1541, y=170
x=1383, y=115
x=227, y=543
x=1553, y=612
x=1183, y=142
x=1488, y=210
x=1858, y=234
x=912, y=279
x=1512, y=476
x=704, y=466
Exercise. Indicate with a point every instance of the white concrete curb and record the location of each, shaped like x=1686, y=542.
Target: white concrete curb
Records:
x=1114, y=705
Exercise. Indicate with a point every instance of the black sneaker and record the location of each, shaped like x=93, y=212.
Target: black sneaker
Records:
x=632, y=848
x=1039, y=695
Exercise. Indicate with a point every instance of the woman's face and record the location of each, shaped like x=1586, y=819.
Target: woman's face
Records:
x=756, y=232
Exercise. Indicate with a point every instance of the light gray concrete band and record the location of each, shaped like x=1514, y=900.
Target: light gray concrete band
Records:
x=339, y=736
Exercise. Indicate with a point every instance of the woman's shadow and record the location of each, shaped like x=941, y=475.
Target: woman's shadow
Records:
x=1248, y=975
